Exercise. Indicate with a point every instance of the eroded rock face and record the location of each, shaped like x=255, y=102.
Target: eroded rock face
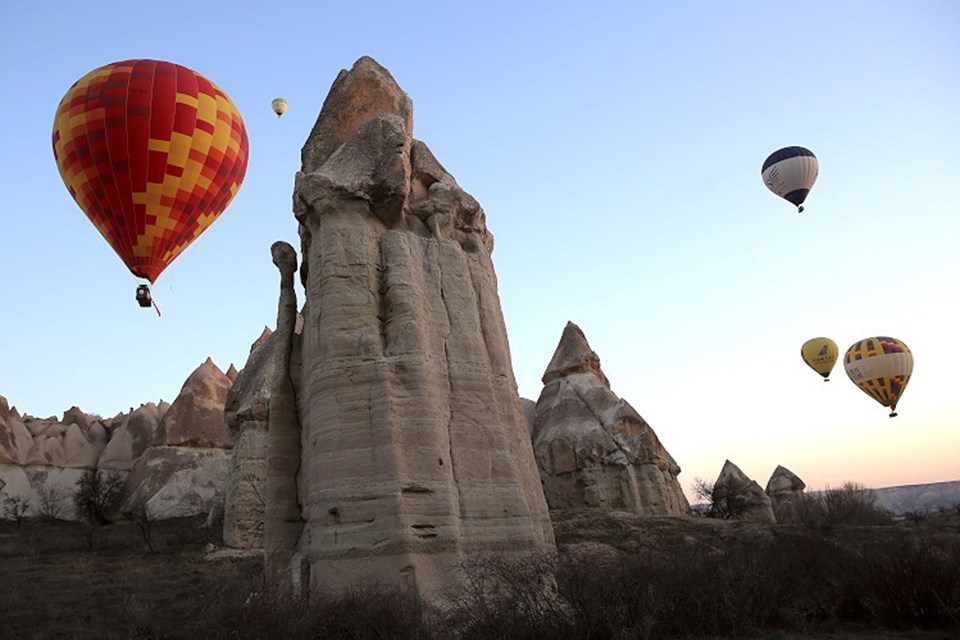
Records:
x=131, y=438
x=173, y=482
x=785, y=490
x=740, y=498
x=593, y=449
x=195, y=419
x=16, y=441
x=415, y=451
x=247, y=410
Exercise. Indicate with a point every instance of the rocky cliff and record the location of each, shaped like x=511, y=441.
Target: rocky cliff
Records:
x=174, y=457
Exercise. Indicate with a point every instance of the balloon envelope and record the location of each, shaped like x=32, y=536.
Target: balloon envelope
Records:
x=279, y=106
x=820, y=354
x=790, y=173
x=153, y=153
x=881, y=367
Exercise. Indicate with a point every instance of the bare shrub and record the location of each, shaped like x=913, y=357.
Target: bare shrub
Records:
x=271, y=611
x=144, y=520
x=850, y=504
x=51, y=502
x=914, y=584
x=507, y=597
x=98, y=496
x=16, y=508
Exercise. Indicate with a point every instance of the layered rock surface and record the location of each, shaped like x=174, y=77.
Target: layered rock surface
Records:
x=247, y=412
x=415, y=454
x=593, y=449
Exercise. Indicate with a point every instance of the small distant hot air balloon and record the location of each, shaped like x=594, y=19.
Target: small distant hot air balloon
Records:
x=153, y=153
x=790, y=173
x=279, y=106
x=820, y=354
x=881, y=367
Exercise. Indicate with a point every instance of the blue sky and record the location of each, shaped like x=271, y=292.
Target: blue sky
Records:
x=616, y=149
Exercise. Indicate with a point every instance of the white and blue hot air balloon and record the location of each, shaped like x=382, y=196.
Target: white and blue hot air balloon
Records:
x=790, y=173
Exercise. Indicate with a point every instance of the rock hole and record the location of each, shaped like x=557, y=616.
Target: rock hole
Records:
x=440, y=461
x=416, y=488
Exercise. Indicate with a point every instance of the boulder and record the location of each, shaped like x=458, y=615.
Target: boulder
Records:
x=737, y=497
x=785, y=491
x=195, y=419
x=593, y=449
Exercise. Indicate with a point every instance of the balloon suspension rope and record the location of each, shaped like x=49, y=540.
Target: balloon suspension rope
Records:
x=155, y=307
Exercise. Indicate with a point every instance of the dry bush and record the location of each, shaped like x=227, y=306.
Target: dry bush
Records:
x=51, y=502
x=16, y=508
x=507, y=597
x=260, y=610
x=850, y=504
x=98, y=496
x=914, y=584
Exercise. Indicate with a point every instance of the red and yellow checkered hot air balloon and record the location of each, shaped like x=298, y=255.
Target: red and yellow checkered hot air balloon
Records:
x=153, y=153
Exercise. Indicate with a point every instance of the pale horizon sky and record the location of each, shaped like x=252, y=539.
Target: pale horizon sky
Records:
x=616, y=149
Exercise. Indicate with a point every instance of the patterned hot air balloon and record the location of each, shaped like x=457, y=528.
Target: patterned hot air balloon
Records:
x=881, y=367
x=153, y=153
x=820, y=354
x=279, y=106
x=790, y=173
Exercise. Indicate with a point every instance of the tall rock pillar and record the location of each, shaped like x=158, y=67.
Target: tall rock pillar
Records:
x=415, y=453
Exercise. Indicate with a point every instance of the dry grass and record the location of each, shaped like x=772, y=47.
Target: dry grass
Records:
x=617, y=576
x=53, y=585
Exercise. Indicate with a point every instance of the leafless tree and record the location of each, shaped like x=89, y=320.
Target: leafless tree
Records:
x=98, y=495
x=16, y=508
x=51, y=501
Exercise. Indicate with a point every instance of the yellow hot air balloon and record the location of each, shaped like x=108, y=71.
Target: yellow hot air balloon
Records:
x=881, y=367
x=820, y=354
x=279, y=106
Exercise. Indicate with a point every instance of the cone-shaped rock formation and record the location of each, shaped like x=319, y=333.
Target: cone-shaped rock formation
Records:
x=593, y=449
x=785, y=490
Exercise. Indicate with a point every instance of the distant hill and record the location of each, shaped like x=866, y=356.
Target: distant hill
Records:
x=919, y=497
